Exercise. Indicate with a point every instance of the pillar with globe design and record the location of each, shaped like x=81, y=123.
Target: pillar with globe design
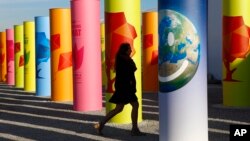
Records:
x=122, y=24
x=236, y=49
x=150, y=51
x=87, y=59
x=29, y=56
x=182, y=70
x=43, y=77
x=3, y=60
x=19, y=56
x=61, y=55
x=10, y=56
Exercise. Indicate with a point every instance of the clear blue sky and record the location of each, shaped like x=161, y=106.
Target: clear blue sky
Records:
x=14, y=12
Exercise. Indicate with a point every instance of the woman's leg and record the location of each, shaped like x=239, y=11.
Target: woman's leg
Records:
x=134, y=114
x=112, y=113
x=99, y=126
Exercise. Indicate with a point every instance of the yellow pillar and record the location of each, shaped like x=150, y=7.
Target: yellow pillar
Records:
x=19, y=56
x=29, y=57
x=236, y=49
x=104, y=76
x=123, y=24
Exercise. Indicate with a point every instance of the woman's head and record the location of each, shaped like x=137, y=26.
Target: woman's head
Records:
x=123, y=52
x=125, y=49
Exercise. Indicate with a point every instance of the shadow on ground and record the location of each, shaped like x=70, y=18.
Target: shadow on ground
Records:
x=24, y=116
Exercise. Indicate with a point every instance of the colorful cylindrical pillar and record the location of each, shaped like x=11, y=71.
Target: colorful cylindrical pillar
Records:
x=127, y=28
x=3, y=56
x=61, y=55
x=182, y=70
x=150, y=51
x=87, y=59
x=236, y=49
x=43, y=77
x=29, y=56
x=10, y=56
x=19, y=56
x=1, y=46
x=104, y=76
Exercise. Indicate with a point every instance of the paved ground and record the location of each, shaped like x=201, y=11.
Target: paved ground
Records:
x=25, y=117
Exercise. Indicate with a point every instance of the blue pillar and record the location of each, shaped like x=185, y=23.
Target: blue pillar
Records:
x=43, y=76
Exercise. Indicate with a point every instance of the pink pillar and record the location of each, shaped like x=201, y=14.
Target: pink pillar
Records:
x=87, y=55
x=10, y=56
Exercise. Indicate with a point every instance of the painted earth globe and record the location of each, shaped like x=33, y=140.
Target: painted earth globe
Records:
x=179, y=50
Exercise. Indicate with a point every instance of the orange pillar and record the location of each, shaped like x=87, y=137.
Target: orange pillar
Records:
x=3, y=56
x=61, y=55
x=150, y=51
